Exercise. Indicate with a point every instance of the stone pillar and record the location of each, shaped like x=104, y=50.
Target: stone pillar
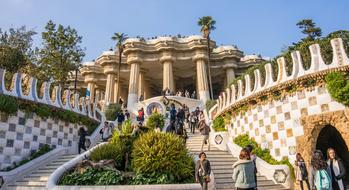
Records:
x=147, y=92
x=230, y=74
x=98, y=94
x=167, y=61
x=202, y=82
x=109, y=88
x=91, y=87
x=133, y=86
x=141, y=85
x=116, y=99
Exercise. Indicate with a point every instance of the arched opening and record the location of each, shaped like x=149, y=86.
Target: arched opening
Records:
x=330, y=137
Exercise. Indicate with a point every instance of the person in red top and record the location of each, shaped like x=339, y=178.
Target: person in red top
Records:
x=141, y=115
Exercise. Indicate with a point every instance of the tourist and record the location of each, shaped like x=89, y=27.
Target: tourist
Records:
x=242, y=170
x=253, y=158
x=201, y=116
x=141, y=97
x=192, y=122
x=319, y=176
x=205, y=132
x=301, y=171
x=203, y=171
x=337, y=170
x=186, y=112
x=181, y=115
x=187, y=94
x=140, y=117
x=135, y=130
x=120, y=118
x=173, y=112
x=105, y=131
x=82, y=133
x=127, y=115
x=121, y=101
x=193, y=95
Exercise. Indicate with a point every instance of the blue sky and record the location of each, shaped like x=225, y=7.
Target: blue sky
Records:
x=255, y=26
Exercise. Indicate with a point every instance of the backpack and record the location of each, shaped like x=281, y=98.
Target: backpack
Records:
x=322, y=180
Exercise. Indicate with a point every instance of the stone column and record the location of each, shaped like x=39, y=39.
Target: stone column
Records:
x=141, y=85
x=167, y=61
x=202, y=82
x=91, y=86
x=116, y=99
x=230, y=74
x=147, y=92
x=133, y=86
x=98, y=94
x=109, y=89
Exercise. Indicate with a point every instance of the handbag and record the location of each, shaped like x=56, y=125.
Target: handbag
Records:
x=207, y=178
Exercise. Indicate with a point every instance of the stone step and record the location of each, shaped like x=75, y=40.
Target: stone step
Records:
x=31, y=187
x=31, y=183
x=228, y=175
x=35, y=178
x=260, y=187
x=230, y=180
x=226, y=163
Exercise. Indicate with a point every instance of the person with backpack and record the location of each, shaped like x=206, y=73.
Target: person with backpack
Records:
x=203, y=171
x=319, y=176
x=301, y=171
x=205, y=132
x=82, y=138
x=337, y=170
x=253, y=158
x=242, y=170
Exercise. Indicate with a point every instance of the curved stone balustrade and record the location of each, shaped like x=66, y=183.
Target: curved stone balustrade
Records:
x=79, y=105
x=233, y=97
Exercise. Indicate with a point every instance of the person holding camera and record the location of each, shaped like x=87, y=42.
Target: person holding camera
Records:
x=203, y=171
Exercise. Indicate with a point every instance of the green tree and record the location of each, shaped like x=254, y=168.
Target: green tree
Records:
x=119, y=38
x=207, y=25
x=309, y=28
x=16, y=51
x=61, y=53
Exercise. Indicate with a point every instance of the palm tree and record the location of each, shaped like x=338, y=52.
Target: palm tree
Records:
x=207, y=24
x=119, y=38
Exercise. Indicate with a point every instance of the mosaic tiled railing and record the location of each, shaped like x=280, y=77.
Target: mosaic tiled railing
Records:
x=76, y=104
x=235, y=96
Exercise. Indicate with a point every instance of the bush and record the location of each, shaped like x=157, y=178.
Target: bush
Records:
x=209, y=104
x=92, y=177
x=112, y=111
x=163, y=153
x=156, y=120
x=219, y=124
x=337, y=84
x=244, y=140
x=108, y=152
x=8, y=105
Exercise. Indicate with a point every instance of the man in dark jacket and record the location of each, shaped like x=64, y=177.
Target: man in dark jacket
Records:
x=205, y=132
x=203, y=171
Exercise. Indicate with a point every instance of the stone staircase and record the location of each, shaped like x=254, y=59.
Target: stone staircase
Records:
x=221, y=164
x=37, y=180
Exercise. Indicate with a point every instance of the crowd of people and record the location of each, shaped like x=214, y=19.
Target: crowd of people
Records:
x=182, y=93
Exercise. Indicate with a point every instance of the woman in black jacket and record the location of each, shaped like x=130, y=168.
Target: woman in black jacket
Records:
x=337, y=169
x=203, y=171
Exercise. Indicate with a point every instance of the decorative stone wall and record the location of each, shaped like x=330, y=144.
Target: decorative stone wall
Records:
x=291, y=124
x=19, y=136
x=277, y=124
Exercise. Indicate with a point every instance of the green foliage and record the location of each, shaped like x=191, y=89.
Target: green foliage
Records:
x=41, y=151
x=108, y=151
x=219, y=124
x=207, y=25
x=126, y=128
x=112, y=111
x=337, y=84
x=16, y=49
x=156, y=120
x=61, y=52
x=154, y=178
x=92, y=177
x=209, y=104
x=8, y=105
x=309, y=28
x=163, y=153
x=244, y=140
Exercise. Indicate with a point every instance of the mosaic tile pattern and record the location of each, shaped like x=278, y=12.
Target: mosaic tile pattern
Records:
x=277, y=124
x=20, y=136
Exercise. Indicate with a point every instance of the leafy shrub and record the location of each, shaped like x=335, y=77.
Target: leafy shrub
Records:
x=209, y=104
x=163, y=153
x=126, y=127
x=111, y=111
x=92, y=177
x=43, y=111
x=8, y=105
x=156, y=120
x=337, y=84
x=244, y=140
x=107, y=152
x=219, y=124
x=154, y=178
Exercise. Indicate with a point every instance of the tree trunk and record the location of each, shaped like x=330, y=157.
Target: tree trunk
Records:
x=209, y=66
